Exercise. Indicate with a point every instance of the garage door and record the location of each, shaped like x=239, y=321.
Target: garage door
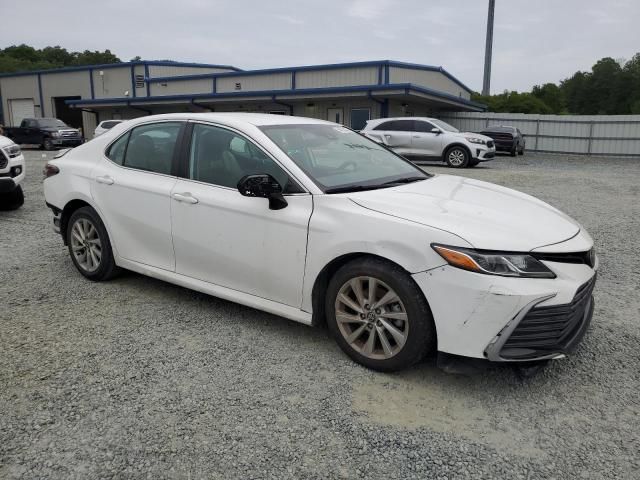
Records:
x=20, y=108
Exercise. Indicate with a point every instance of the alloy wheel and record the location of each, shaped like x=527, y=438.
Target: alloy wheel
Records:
x=86, y=245
x=371, y=317
x=456, y=157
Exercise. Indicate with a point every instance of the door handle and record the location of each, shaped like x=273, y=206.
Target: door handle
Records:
x=185, y=198
x=107, y=180
x=416, y=136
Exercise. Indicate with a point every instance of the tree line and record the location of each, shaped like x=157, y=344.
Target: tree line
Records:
x=18, y=58
x=612, y=87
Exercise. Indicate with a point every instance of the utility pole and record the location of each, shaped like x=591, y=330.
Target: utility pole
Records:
x=486, y=83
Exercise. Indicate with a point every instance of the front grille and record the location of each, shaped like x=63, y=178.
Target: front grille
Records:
x=490, y=143
x=587, y=258
x=548, y=330
x=68, y=133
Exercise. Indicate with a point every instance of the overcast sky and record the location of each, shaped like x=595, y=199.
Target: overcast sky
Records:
x=536, y=41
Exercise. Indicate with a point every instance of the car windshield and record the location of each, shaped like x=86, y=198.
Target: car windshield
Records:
x=444, y=125
x=51, y=123
x=338, y=159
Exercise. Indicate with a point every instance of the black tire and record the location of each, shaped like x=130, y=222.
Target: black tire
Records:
x=107, y=267
x=421, y=333
x=47, y=144
x=12, y=200
x=521, y=151
x=514, y=150
x=458, y=152
x=473, y=163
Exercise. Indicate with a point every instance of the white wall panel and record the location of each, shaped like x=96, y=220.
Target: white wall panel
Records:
x=340, y=77
x=256, y=83
x=427, y=79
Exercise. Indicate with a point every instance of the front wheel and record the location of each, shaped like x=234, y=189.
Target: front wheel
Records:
x=89, y=245
x=47, y=144
x=379, y=316
x=457, y=157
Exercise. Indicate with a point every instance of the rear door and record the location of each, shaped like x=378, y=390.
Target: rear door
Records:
x=424, y=142
x=132, y=186
x=395, y=134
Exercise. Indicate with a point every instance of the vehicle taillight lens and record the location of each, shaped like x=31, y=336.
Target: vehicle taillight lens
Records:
x=50, y=170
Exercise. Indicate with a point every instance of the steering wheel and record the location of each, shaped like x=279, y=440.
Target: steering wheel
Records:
x=349, y=163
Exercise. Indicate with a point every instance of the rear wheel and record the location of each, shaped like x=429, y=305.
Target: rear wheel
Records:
x=89, y=245
x=378, y=315
x=12, y=200
x=457, y=157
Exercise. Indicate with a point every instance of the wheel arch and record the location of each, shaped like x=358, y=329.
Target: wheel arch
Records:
x=321, y=282
x=456, y=144
x=66, y=213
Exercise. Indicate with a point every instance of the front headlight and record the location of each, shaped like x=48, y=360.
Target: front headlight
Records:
x=505, y=264
x=55, y=134
x=12, y=151
x=476, y=140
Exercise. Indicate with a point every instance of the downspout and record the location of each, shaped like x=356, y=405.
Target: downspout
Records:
x=193, y=102
x=384, y=105
x=278, y=102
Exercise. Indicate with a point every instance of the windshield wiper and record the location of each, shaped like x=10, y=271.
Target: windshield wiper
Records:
x=355, y=188
x=405, y=180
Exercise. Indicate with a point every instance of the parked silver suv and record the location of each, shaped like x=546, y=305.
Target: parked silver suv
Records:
x=423, y=138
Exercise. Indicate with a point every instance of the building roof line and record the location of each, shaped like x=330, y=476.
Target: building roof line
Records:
x=77, y=68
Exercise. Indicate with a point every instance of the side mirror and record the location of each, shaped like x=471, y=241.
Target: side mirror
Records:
x=437, y=131
x=263, y=185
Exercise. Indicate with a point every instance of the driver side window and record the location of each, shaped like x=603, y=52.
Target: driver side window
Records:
x=221, y=157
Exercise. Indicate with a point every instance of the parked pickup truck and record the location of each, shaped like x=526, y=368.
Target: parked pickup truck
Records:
x=49, y=133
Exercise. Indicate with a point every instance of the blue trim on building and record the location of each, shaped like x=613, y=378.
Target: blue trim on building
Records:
x=215, y=84
x=93, y=93
x=402, y=87
x=293, y=79
x=120, y=65
x=386, y=73
x=41, y=97
x=133, y=81
x=146, y=77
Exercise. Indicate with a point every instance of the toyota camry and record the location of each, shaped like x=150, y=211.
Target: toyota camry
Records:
x=311, y=221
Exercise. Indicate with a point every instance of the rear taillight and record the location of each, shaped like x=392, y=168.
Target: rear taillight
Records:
x=50, y=170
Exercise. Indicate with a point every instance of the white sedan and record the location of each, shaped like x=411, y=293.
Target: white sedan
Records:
x=311, y=221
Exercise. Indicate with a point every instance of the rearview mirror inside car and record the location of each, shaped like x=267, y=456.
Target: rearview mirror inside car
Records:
x=263, y=185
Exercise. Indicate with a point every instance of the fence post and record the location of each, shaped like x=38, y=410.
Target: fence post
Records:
x=537, y=133
x=590, y=137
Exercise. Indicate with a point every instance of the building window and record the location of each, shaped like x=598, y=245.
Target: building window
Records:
x=359, y=117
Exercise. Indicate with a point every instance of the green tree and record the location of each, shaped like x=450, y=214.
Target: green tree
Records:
x=551, y=95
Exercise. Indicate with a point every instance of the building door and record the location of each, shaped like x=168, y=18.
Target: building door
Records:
x=335, y=115
x=20, y=109
x=70, y=116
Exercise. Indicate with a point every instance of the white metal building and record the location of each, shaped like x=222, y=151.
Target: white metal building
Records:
x=348, y=93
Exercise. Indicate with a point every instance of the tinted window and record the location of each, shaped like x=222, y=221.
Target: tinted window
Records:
x=151, y=147
x=117, y=149
x=402, y=126
x=359, y=117
x=222, y=157
x=384, y=126
x=423, y=126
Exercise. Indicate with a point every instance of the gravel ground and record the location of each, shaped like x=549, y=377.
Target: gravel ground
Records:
x=136, y=378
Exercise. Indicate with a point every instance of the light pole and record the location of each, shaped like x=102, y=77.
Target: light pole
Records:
x=486, y=82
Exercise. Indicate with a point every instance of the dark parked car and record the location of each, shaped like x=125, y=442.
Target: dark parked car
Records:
x=507, y=139
x=49, y=133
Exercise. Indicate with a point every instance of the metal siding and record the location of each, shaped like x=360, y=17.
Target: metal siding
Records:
x=15, y=88
x=254, y=83
x=342, y=77
x=89, y=124
x=429, y=79
x=68, y=84
x=113, y=83
x=579, y=134
x=175, y=71
x=183, y=87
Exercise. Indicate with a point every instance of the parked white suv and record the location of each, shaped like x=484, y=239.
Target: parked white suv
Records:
x=423, y=138
x=11, y=175
x=306, y=219
x=105, y=126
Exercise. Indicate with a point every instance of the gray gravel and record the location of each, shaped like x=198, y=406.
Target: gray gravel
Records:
x=136, y=378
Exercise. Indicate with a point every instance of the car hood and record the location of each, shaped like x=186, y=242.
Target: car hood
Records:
x=5, y=142
x=487, y=216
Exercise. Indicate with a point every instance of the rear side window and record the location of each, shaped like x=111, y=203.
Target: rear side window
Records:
x=150, y=147
x=117, y=149
x=397, y=126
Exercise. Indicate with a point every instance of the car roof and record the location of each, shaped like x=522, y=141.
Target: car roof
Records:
x=389, y=119
x=257, y=119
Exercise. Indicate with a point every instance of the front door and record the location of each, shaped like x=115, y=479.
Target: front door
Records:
x=133, y=189
x=335, y=115
x=424, y=142
x=227, y=239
